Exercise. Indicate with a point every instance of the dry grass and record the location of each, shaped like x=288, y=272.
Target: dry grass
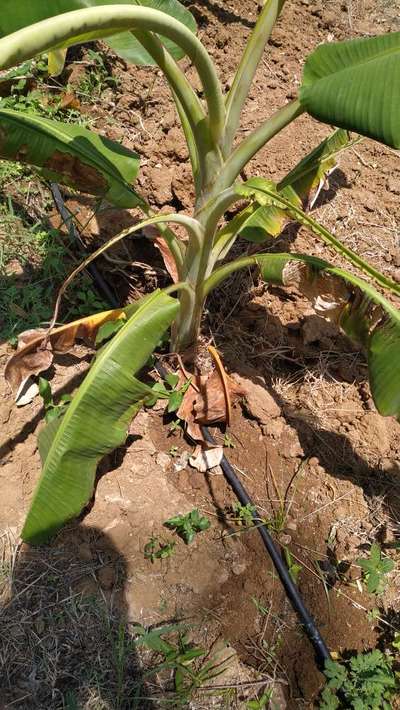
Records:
x=63, y=642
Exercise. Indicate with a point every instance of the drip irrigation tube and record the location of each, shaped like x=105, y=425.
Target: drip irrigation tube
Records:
x=320, y=648
x=321, y=651
x=101, y=285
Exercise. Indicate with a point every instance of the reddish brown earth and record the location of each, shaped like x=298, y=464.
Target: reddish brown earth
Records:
x=309, y=435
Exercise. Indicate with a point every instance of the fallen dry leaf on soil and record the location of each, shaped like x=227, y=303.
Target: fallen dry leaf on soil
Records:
x=204, y=402
x=204, y=459
x=26, y=393
x=35, y=351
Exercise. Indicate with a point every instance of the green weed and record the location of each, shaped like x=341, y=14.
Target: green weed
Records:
x=34, y=261
x=189, y=525
x=157, y=549
x=374, y=569
x=188, y=662
x=365, y=682
x=97, y=79
x=52, y=410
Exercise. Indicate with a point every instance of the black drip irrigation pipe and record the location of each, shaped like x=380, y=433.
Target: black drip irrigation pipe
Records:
x=321, y=651
x=101, y=285
x=320, y=648
x=292, y=592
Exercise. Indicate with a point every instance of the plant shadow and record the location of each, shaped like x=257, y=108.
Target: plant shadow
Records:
x=225, y=16
x=65, y=640
x=292, y=360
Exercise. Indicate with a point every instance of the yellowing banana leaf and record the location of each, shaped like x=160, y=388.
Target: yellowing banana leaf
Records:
x=356, y=85
x=70, y=155
x=16, y=14
x=35, y=350
x=266, y=194
x=96, y=420
x=56, y=61
x=356, y=307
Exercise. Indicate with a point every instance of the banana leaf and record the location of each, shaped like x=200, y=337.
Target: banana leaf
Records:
x=96, y=421
x=17, y=14
x=356, y=307
x=71, y=155
x=256, y=224
x=356, y=85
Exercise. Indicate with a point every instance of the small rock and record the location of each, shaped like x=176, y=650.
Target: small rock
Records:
x=393, y=185
x=274, y=428
x=239, y=567
x=374, y=429
x=329, y=20
x=259, y=403
x=163, y=460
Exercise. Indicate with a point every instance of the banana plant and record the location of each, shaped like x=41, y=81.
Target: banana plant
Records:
x=352, y=85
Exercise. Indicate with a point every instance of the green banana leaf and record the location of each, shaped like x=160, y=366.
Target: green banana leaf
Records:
x=17, y=14
x=96, y=421
x=266, y=194
x=356, y=85
x=70, y=155
x=356, y=307
x=256, y=224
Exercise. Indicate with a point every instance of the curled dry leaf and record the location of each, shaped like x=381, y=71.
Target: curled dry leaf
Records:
x=151, y=232
x=205, y=402
x=36, y=348
x=204, y=459
x=26, y=393
x=168, y=259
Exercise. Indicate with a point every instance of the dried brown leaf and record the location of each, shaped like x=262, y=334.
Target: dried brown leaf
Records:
x=205, y=402
x=168, y=259
x=35, y=347
x=204, y=459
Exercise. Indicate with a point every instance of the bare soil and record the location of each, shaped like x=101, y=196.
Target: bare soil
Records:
x=309, y=439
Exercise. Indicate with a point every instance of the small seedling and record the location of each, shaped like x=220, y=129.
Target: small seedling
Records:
x=373, y=615
x=260, y=606
x=187, y=526
x=294, y=568
x=168, y=389
x=175, y=426
x=244, y=514
x=396, y=642
x=260, y=703
x=182, y=657
x=375, y=569
x=366, y=682
x=157, y=549
x=228, y=442
x=173, y=451
x=52, y=411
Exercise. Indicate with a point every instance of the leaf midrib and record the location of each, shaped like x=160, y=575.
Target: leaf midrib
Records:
x=106, y=353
